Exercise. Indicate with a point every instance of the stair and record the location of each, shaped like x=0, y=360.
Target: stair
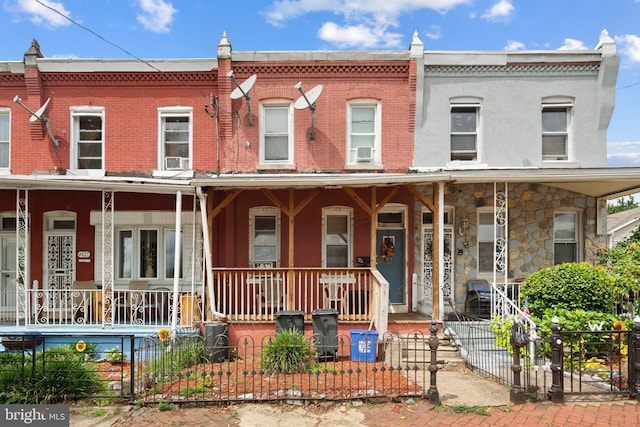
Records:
x=412, y=351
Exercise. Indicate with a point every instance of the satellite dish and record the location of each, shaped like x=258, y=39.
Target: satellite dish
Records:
x=242, y=90
x=39, y=114
x=308, y=100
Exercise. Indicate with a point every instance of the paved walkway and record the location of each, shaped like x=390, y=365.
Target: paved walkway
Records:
x=408, y=413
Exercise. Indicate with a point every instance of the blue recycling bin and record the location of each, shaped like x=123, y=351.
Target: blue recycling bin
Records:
x=363, y=345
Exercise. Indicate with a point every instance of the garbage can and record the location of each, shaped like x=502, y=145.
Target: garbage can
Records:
x=363, y=345
x=216, y=342
x=22, y=340
x=325, y=332
x=290, y=320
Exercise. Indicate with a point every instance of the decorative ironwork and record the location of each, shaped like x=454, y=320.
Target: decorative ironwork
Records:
x=501, y=213
x=22, y=261
x=446, y=287
x=107, y=257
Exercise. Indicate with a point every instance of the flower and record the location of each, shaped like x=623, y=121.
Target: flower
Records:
x=618, y=325
x=624, y=349
x=164, y=334
x=81, y=346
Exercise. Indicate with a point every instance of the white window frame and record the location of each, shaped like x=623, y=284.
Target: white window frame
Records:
x=258, y=212
x=567, y=107
x=6, y=112
x=479, y=236
x=284, y=104
x=161, y=258
x=171, y=112
x=352, y=149
x=348, y=214
x=575, y=240
x=77, y=112
x=477, y=133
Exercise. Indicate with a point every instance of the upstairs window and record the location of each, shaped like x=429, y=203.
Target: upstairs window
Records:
x=175, y=138
x=555, y=134
x=364, y=133
x=464, y=132
x=276, y=133
x=88, y=137
x=5, y=141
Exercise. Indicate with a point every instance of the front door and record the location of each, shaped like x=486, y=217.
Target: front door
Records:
x=7, y=278
x=390, y=250
x=425, y=289
x=59, y=273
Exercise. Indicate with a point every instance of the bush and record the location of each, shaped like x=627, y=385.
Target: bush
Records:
x=289, y=352
x=569, y=286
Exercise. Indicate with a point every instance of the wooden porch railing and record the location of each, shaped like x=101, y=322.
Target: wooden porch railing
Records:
x=254, y=294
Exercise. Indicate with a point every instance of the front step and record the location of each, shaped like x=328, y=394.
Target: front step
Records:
x=413, y=351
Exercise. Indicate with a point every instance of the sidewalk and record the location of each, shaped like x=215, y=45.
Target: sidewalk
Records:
x=466, y=400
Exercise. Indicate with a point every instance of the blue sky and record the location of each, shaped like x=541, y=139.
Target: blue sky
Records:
x=192, y=28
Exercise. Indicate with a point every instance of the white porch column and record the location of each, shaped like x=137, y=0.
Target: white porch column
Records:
x=22, y=257
x=176, y=265
x=440, y=246
x=107, y=258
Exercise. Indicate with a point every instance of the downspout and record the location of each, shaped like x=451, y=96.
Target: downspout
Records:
x=208, y=263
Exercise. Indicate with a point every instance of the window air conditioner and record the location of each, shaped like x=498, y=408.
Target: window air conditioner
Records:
x=364, y=154
x=174, y=163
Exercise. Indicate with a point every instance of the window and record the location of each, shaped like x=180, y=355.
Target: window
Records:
x=487, y=241
x=142, y=255
x=364, y=132
x=337, y=225
x=276, y=133
x=555, y=136
x=88, y=137
x=265, y=237
x=5, y=147
x=464, y=132
x=565, y=237
x=175, y=138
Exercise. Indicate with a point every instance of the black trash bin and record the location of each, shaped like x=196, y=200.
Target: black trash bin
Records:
x=216, y=342
x=325, y=332
x=287, y=320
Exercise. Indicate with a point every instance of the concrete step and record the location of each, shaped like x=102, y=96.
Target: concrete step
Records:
x=412, y=351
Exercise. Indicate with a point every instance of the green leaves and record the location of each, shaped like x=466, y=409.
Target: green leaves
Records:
x=289, y=352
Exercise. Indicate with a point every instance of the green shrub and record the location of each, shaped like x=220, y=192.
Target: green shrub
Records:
x=569, y=286
x=289, y=352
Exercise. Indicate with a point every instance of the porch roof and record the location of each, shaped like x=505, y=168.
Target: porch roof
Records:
x=597, y=182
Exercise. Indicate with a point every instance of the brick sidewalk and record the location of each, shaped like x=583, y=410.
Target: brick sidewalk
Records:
x=421, y=413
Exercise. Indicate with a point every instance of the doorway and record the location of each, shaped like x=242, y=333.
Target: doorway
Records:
x=390, y=254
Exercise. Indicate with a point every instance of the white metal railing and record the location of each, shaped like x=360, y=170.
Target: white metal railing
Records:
x=122, y=307
x=506, y=303
x=257, y=294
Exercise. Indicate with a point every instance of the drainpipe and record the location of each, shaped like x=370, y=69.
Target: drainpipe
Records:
x=207, y=253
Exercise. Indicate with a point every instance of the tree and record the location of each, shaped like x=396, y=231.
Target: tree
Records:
x=622, y=205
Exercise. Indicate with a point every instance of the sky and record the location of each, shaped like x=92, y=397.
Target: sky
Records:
x=151, y=29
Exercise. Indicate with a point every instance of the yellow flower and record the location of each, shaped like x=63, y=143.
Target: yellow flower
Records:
x=624, y=349
x=164, y=334
x=81, y=346
x=618, y=325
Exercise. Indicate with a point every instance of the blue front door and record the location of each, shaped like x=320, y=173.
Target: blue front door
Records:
x=390, y=259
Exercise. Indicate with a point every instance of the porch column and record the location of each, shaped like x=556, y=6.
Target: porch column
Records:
x=107, y=258
x=500, y=232
x=438, y=254
x=22, y=257
x=176, y=267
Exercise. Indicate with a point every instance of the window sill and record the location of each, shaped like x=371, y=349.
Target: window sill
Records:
x=460, y=164
x=364, y=166
x=86, y=172
x=173, y=174
x=559, y=164
x=276, y=166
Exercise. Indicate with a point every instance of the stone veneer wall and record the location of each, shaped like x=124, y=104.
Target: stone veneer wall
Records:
x=531, y=210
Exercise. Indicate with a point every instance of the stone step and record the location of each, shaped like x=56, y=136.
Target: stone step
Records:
x=415, y=351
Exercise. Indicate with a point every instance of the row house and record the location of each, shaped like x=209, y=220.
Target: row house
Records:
x=379, y=184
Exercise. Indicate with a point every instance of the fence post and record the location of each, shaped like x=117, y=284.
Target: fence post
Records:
x=634, y=352
x=556, y=392
x=434, y=396
x=519, y=339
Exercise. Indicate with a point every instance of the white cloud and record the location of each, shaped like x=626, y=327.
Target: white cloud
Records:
x=434, y=32
x=499, y=11
x=630, y=46
x=573, y=44
x=514, y=45
x=156, y=15
x=626, y=153
x=43, y=15
x=367, y=23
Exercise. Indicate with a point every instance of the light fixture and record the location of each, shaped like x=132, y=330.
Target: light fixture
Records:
x=463, y=227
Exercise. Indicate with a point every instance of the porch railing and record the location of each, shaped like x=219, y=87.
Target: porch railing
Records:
x=253, y=294
x=120, y=307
